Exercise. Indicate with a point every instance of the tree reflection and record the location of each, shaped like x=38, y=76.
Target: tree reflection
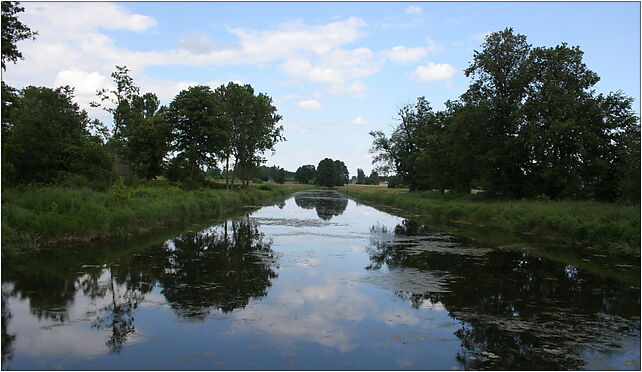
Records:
x=517, y=311
x=118, y=315
x=218, y=268
x=326, y=204
x=7, y=339
x=49, y=295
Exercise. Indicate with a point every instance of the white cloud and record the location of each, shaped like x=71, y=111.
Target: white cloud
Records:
x=433, y=72
x=85, y=83
x=195, y=42
x=402, y=54
x=359, y=120
x=74, y=50
x=339, y=68
x=87, y=16
x=310, y=104
x=356, y=89
x=413, y=9
x=296, y=36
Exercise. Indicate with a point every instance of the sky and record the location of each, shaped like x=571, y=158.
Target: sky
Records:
x=336, y=70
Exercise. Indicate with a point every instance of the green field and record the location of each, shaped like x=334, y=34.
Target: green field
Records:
x=35, y=217
x=580, y=224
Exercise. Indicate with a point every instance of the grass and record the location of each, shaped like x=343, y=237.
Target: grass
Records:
x=35, y=217
x=581, y=224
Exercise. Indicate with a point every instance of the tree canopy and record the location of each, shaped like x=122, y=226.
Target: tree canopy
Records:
x=332, y=173
x=530, y=124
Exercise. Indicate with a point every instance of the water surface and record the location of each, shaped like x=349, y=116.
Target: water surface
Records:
x=316, y=282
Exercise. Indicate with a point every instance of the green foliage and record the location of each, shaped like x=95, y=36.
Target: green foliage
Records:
x=198, y=132
x=13, y=31
x=251, y=127
x=326, y=173
x=147, y=136
x=342, y=174
x=46, y=138
x=305, y=173
x=119, y=103
x=331, y=173
x=529, y=124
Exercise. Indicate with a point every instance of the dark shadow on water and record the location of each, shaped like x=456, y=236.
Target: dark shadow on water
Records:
x=326, y=203
x=218, y=268
x=7, y=339
x=516, y=311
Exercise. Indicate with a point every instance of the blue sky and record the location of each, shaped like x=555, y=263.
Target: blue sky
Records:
x=335, y=70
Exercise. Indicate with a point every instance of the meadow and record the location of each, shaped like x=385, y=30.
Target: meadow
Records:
x=34, y=217
x=592, y=225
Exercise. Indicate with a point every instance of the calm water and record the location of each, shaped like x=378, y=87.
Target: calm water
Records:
x=317, y=282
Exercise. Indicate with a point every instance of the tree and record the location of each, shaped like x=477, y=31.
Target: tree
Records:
x=147, y=136
x=305, y=173
x=501, y=75
x=332, y=173
x=119, y=101
x=361, y=176
x=558, y=118
x=399, y=152
x=326, y=173
x=198, y=131
x=13, y=31
x=251, y=128
x=342, y=174
x=48, y=139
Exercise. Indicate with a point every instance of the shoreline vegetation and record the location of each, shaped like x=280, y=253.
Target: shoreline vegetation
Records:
x=39, y=217
x=583, y=225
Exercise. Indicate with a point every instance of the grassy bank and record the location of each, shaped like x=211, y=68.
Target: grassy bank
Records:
x=581, y=224
x=34, y=217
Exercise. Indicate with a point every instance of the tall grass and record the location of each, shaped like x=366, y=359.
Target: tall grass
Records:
x=583, y=224
x=37, y=216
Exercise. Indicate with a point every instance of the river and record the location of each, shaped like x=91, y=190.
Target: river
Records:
x=318, y=281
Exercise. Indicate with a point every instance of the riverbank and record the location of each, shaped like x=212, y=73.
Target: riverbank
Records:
x=596, y=226
x=36, y=217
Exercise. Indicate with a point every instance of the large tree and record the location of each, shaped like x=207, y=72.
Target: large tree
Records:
x=332, y=173
x=500, y=76
x=326, y=173
x=198, y=131
x=251, y=128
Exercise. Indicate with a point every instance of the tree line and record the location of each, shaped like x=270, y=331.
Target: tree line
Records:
x=529, y=125
x=47, y=138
